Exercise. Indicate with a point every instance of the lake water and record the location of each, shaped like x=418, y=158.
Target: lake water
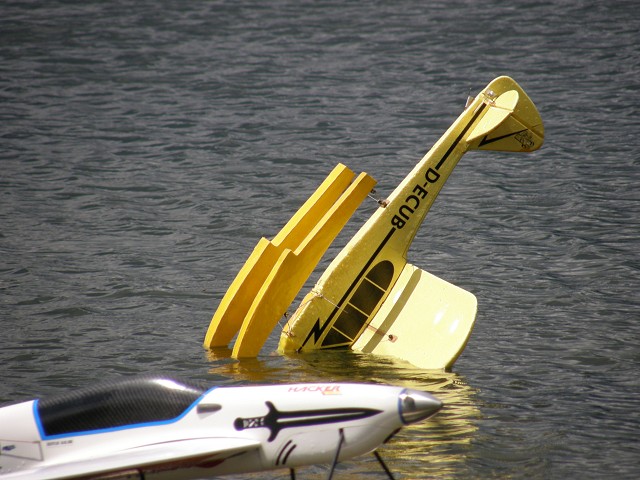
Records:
x=146, y=147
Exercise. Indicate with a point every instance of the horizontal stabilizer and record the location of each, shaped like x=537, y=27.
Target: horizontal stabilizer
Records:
x=424, y=320
x=511, y=136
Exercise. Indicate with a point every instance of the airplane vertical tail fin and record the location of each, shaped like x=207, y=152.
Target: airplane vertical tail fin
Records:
x=512, y=122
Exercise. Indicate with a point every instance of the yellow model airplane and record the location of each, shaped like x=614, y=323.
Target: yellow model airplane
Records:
x=370, y=298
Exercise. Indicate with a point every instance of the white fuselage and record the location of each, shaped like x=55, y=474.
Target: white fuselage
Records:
x=249, y=428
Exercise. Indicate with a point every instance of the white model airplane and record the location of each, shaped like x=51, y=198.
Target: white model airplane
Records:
x=161, y=428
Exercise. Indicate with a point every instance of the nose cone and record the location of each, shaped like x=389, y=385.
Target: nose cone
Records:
x=415, y=405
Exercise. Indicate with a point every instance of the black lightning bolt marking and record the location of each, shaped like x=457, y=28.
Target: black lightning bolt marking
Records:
x=317, y=329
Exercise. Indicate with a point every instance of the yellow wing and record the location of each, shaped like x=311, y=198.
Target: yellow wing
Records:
x=276, y=270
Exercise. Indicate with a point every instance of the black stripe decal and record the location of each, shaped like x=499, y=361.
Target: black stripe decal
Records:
x=286, y=457
x=462, y=134
x=486, y=140
x=275, y=420
x=282, y=450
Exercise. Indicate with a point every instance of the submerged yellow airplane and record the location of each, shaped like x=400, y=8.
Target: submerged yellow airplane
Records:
x=370, y=298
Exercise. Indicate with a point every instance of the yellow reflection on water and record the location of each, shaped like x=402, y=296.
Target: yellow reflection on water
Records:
x=433, y=448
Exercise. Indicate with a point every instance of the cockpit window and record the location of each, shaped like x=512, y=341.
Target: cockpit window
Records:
x=132, y=401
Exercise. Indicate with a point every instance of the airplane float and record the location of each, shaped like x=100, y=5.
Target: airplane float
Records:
x=370, y=298
x=155, y=428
